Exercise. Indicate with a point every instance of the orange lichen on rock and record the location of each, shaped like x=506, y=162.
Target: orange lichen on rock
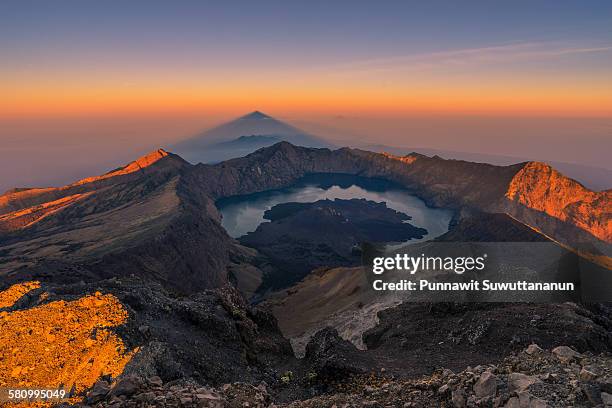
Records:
x=542, y=188
x=12, y=294
x=62, y=344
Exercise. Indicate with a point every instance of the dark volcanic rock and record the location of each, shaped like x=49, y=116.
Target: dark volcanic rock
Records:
x=304, y=236
x=476, y=226
x=520, y=380
x=332, y=358
x=429, y=336
x=213, y=336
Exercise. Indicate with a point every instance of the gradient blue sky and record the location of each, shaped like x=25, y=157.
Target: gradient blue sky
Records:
x=335, y=31
x=64, y=56
x=97, y=76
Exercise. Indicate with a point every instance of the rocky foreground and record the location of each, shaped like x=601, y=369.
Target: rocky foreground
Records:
x=534, y=377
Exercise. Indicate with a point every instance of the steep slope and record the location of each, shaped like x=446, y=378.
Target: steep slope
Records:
x=489, y=227
x=594, y=178
x=542, y=188
x=134, y=220
x=20, y=198
x=20, y=219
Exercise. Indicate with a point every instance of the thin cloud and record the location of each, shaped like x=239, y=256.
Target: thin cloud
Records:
x=469, y=56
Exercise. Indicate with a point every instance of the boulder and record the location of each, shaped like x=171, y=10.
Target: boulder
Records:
x=565, y=353
x=513, y=403
x=156, y=381
x=486, y=386
x=587, y=375
x=520, y=382
x=458, y=399
x=592, y=392
x=533, y=349
x=332, y=357
x=128, y=385
x=98, y=392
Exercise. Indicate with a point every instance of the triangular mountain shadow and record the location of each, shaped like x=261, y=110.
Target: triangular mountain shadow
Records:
x=242, y=136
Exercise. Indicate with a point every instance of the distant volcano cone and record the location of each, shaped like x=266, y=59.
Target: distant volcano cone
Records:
x=242, y=136
x=256, y=115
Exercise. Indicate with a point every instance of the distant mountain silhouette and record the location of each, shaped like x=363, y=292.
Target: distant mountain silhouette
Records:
x=248, y=142
x=243, y=136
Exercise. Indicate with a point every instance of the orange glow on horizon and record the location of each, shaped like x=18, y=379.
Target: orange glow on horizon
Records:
x=522, y=95
x=554, y=102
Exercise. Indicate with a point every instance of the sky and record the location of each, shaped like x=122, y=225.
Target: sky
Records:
x=106, y=80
